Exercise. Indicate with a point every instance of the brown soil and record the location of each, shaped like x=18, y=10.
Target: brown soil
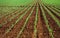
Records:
x=45, y=30
x=28, y=31
x=53, y=25
x=39, y=25
x=7, y=25
x=13, y=33
x=54, y=13
x=8, y=16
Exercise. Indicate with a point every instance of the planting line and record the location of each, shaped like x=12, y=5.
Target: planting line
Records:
x=21, y=16
x=47, y=24
x=51, y=6
x=11, y=12
x=5, y=10
x=54, y=17
x=10, y=19
x=16, y=14
x=35, y=23
x=57, y=8
x=54, y=11
x=25, y=24
x=14, y=11
x=6, y=21
x=18, y=9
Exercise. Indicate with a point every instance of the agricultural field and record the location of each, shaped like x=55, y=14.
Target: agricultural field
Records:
x=34, y=19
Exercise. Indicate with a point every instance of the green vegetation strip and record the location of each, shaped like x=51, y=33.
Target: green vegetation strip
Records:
x=54, y=17
x=5, y=10
x=21, y=16
x=54, y=11
x=25, y=24
x=17, y=14
x=35, y=23
x=9, y=14
x=5, y=22
x=9, y=11
x=17, y=9
x=47, y=24
x=57, y=7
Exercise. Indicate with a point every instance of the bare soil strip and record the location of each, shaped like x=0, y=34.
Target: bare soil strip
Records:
x=45, y=28
x=54, y=13
x=13, y=33
x=54, y=26
x=28, y=31
x=6, y=26
x=8, y=16
x=39, y=25
x=7, y=19
x=31, y=25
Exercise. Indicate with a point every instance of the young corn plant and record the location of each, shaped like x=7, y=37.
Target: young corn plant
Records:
x=53, y=16
x=10, y=11
x=21, y=16
x=35, y=23
x=47, y=23
x=16, y=14
x=13, y=14
x=5, y=22
x=54, y=11
x=25, y=24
